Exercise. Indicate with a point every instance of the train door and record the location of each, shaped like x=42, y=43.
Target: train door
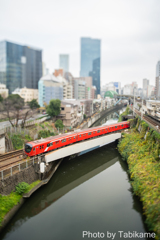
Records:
x=34, y=151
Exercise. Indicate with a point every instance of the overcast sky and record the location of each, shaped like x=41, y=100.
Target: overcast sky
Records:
x=129, y=31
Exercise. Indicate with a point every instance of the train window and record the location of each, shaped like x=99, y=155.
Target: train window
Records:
x=94, y=132
x=115, y=126
x=106, y=129
x=74, y=137
x=98, y=131
x=84, y=135
x=102, y=130
x=109, y=128
x=57, y=142
x=33, y=149
x=49, y=144
x=122, y=125
x=69, y=139
x=63, y=140
x=40, y=147
x=89, y=133
x=79, y=135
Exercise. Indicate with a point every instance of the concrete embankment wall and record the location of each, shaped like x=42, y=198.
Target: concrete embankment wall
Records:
x=100, y=115
x=27, y=175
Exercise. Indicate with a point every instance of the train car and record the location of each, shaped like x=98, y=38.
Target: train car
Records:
x=45, y=145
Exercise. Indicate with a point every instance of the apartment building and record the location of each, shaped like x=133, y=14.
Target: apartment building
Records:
x=71, y=113
x=27, y=94
x=3, y=90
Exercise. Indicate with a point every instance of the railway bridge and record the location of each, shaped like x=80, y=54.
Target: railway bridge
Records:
x=77, y=149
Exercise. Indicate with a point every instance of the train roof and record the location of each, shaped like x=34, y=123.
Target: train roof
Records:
x=43, y=140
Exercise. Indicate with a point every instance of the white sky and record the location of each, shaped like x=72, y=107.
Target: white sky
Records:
x=129, y=31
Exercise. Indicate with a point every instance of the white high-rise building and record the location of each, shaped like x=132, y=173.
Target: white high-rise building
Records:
x=64, y=62
x=158, y=69
x=145, y=83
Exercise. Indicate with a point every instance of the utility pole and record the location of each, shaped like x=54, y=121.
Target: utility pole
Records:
x=134, y=105
x=142, y=111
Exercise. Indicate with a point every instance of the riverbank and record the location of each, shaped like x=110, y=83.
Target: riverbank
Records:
x=140, y=149
x=10, y=204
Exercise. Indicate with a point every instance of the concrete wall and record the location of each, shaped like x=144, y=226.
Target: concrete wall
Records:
x=95, y=118
x=2, y=144
x=28, y=175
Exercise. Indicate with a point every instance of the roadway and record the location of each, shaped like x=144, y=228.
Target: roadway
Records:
x=8, y=124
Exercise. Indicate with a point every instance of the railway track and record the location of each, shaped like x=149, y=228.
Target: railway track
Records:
x=153, y=122
x=11, y=155
x=10, y=159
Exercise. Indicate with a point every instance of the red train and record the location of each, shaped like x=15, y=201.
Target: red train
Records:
x=45, y=145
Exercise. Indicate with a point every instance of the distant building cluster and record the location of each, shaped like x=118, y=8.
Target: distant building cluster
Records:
x=23, y=72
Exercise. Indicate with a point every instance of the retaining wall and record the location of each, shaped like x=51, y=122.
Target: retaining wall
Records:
x=27, y=175
x=98, y=116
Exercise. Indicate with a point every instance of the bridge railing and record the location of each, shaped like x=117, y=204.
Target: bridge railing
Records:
x=10, y=171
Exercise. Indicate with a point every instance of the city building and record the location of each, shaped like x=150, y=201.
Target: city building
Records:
x=150, y=91
x=145, y=83
x=87, y=107
x=158, y=69
x=71, y=113
x=88, y=85
x=64, y=62
x=20, y=65
x=127, y=89
x=93, y=92
x=91, y=60
x=79, y=89
x=58, y=72
x=3, y=90
x=157, y=81
x=49, y=87
x=112, y=86
x=117, y=86
x=67, y=88
x=27, y=93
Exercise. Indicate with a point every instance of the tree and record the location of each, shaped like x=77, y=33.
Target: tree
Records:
x=33, y=104
x=53, y=109
x=1, y=98
x=13, y=109
x=59, y=124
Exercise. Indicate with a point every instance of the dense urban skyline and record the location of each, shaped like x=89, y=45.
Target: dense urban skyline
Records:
x=130, y=46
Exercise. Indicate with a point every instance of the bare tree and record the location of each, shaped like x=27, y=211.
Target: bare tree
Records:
x=13, y=109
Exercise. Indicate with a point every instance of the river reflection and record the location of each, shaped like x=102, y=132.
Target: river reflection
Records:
x=89, y=193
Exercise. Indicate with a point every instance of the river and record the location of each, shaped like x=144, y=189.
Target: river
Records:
x=89, y=197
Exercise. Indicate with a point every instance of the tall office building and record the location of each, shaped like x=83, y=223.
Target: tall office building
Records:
x=145, y=83
x=64, y=62
x=157, y=82
x=90, y=60
x=20, y=66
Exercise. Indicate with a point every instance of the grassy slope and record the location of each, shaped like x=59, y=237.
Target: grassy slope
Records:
x=142, y=157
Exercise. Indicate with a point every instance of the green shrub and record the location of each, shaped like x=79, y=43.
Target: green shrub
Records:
x=17, y=141
x=28, y=138
x=45, y=133
x=22, y=188
x=59, y=124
